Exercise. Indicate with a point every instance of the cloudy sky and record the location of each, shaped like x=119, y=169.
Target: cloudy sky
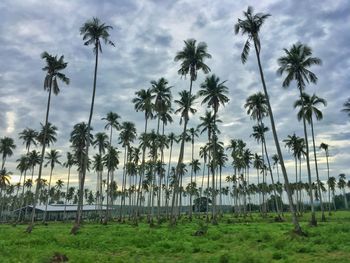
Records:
x=147, y=35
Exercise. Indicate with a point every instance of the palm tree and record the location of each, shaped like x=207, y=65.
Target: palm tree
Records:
x=214, y=93
x=29, y=137
x=346, y=106
x=4, y=183
x=53, y=69
x=325, y=146
x=7, y=145
x=192, y=58
x=68, y=164
x=52, y=159
x=126, y=136
x=101, y=142
x=341, y=185
x=251, y=26
x=185, y=104
x=331, y=182
x=93, y=32
x=308, y=111
x=112, y=123
x=143, y=102
x=295, y=64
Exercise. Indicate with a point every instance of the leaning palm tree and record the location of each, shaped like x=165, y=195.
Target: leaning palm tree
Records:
x=52, y=159
x=53, y=69
x=295, y=64
x=93, y=32
x=214, y=94
x=346, y=106
x=325, y=147
x=308, y=111
x=250, y=26
x=7, y=145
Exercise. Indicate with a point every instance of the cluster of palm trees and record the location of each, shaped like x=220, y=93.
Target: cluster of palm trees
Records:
x=157, y=187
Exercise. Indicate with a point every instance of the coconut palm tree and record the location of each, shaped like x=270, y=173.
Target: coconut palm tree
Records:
x=143, y=102
x=52, y=158
x=185, y=104
x=251, y=26
x=346, y=106
x=308, y=111
x=325, y=147
x=214, y=93
x=127, y=136
x=53, y=68
x=192, y=59
x=341, y=185
x=68, y=164
x=7, y=145
x=332, y=182
x=93, y=32
x=295, y=64
x=29, y=137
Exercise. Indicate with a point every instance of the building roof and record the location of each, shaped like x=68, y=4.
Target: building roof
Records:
x=70, y=208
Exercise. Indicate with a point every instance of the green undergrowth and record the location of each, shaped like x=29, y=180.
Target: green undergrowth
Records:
x=253, y=239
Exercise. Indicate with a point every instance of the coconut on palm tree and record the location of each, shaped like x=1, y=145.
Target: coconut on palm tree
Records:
x=250, y=26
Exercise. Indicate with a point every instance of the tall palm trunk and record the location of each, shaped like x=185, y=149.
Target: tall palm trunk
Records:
x=192, y=157
x=85, y=162
x=22, y=197
x=121, y=215
x=272, y=181
x=179, y=163
x=65, y=200
x=36, y=195
x=142, y=174
x=47, y=198
x=213, y=169
x=313, y=221
x=323, y=218
x=167, y=182
x=297, y=227
x=329, y=190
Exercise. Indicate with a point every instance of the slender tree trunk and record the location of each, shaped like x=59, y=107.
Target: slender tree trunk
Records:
x=77, y=223
x=36, y=195
x=167, y=182
x=313, y=221
x=48, y=194
x=329, y=190
x=297, y=227
x=65, y=201
x=323, y=218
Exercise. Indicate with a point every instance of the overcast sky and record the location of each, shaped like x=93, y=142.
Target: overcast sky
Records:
x=147, y=35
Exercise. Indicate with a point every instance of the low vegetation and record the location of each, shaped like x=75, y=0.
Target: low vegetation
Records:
x=253, y=239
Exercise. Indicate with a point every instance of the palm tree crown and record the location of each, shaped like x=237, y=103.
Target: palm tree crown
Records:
x=296, y=63
x=93, y=30
x=250, y=26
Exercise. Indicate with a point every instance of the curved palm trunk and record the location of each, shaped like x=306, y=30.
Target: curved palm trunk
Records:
x=313, y=221
x=47, y=198
x=65, y=201
x=323, y=218
x=78, y=217
x=36, y=195
x=297, y=227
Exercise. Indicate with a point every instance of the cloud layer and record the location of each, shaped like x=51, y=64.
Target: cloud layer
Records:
x=147, y=35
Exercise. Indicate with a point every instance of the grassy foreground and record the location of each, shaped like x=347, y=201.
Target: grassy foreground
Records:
x=233, y=240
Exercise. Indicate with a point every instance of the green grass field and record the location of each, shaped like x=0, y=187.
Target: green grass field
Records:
x=257, y=240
